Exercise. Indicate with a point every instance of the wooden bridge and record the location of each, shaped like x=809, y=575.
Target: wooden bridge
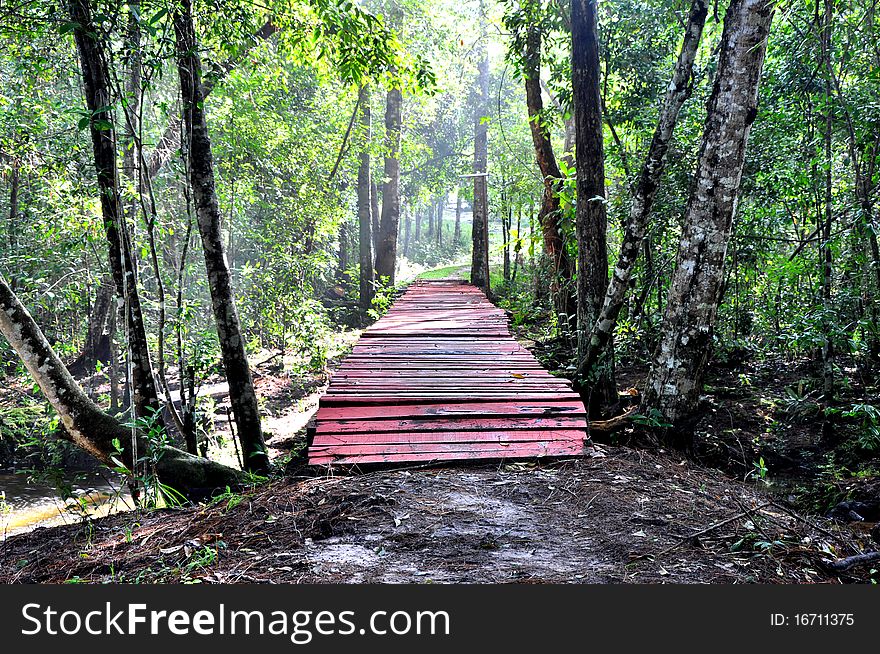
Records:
x=440, y=377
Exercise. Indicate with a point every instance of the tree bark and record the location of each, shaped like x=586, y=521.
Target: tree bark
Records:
x=826, y=222
x=97, y=345
x=407, y=231
x=456, y=237
x=441, y=204
x=85, y=424
x=676, y=377
x=386, y=257
x=600, y=388
x=365, y=220
x=12, y=224
x=96, y=86
x=430, y=234
x=549, y=214
x=201, y=173
x=645, y=192
x=375, y=214
x=480, y=222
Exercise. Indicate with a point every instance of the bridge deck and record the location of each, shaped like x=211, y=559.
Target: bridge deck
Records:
x=440, y=377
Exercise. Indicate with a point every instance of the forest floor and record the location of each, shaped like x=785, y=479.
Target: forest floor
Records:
x=619, y=515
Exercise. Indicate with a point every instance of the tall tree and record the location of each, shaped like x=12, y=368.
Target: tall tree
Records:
x=100, y=101
x=645, y=190
x=590, y=218
x=550, y=214
x=386, y=255
x=675, y=381
x=456, y=236
x=365, y=220
x=201, y=176
x=480, y=221
x=825, y=225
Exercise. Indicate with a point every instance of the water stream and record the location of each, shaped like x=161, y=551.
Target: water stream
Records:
x=26, y=505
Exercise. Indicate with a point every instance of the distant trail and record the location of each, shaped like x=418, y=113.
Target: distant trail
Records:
x=441, y=378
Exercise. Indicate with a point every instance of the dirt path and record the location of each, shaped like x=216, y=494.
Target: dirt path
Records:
x=623, y=518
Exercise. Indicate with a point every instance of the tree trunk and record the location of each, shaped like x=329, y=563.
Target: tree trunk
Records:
x=825, y=226
x=517, y=247
x=430, y=234
x=365, y=220
x=12, y=225
x=386, y=257
x=676, y=377
x=418, y=235
x=201, y=174
x=407, y=231
x=480, y=222
x=549, y=215
x=506, y=221
x=344, y=254
x=645, y=191
x=96, y=86
x=375, y=215
x=85, y=424
x=440, y=207
x=97, y=345
x=456, y=236
x=599, y=388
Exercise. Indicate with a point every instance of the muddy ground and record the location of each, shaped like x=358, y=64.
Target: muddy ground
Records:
x=618, y=516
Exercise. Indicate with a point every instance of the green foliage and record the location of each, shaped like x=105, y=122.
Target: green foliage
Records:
x=867, y=417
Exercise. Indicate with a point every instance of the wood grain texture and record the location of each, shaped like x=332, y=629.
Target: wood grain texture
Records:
x=441, y=378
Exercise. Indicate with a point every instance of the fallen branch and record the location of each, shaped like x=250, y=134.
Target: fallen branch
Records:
x=810, y=523
x=842, y=565
x=703, y=532
x=612, y=424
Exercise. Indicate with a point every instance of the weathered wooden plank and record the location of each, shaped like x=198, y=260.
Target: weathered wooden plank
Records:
x=547, y=450
x=455, y=410
x=379, y=428
x=441, y=378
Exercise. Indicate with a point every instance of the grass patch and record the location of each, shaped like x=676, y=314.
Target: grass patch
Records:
x=457, y=272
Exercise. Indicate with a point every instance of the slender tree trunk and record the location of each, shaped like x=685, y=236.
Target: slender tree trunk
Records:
x=430, y=234
x=407, y=231
x=591, y=221
x=825, y=225
x=386, y=257
x=480, y=222
x=365, y=219
x=456, y=236
x=375, y=214
x=84, y=423
x=96, y=85
x=506, y=220
x=344, y=254
x=517, y=248
x=97, y=345
x=201, y=173
x=562, y=285
x=418, y=235
x=440, y=206
x=12, y=224
x=645, y=191
x=676, y=377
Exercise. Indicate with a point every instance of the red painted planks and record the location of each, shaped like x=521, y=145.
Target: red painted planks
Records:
x=441, y=378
